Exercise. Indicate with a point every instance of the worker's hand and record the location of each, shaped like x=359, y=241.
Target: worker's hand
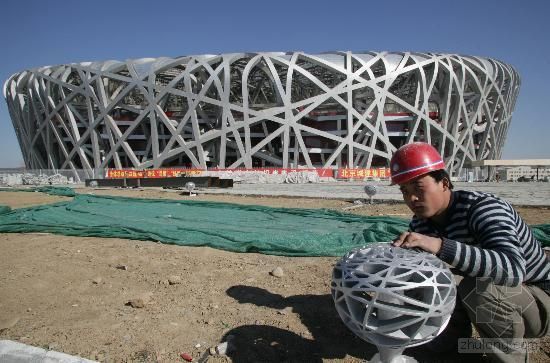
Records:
x=413, y=239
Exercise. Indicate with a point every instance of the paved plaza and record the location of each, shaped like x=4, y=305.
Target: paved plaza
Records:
x=528, y=194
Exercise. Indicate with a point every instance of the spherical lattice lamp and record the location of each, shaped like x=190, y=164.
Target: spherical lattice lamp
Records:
x=370, y=190
x=190, y=186
x=393, y=297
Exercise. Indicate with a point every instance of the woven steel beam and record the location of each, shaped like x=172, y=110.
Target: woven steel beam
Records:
x=336, y=109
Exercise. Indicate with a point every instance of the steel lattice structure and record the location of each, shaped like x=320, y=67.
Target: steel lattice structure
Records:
x=337, y=109
x=393, y=297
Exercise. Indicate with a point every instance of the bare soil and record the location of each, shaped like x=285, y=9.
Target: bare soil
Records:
x=71, y=294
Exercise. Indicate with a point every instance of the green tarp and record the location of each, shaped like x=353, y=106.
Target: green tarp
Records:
x=51, y=190
x=232, y=227
x=542, y=233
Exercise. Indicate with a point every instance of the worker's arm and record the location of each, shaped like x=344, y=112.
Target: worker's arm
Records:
x=497, y=254
x=418, y=240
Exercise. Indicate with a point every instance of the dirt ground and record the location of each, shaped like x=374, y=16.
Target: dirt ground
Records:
x=71, y=294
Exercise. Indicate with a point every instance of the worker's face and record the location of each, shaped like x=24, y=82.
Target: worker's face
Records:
x=425, y=197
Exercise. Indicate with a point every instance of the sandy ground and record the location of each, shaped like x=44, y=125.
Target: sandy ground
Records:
x=71, y=294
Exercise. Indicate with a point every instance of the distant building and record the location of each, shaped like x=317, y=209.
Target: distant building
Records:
x=330, y=110
x=513, y=174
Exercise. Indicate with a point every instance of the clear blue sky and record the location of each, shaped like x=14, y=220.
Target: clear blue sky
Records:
x=38, y=33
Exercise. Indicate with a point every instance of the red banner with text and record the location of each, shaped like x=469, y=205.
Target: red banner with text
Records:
x=174, y=173
x=151, y=173
x=382, y=173
x=322, y=172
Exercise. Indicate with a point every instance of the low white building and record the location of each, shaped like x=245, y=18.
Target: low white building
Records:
x=512, y=174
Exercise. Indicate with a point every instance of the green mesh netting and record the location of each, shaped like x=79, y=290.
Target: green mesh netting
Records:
x=61, y=191
x=232, y=227
x=51, y=190
x=4, y=209
x=542, y=233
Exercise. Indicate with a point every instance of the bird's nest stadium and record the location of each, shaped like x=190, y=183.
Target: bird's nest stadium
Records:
x=249, y=110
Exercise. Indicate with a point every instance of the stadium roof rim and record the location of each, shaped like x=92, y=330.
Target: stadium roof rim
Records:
x=337, y=58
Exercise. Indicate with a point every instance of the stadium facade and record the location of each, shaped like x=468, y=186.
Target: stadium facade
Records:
x=330, y=110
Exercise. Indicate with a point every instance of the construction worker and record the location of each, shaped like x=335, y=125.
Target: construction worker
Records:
x=502, y=272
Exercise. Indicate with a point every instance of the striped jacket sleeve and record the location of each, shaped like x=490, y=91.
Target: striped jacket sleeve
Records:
x=496, y=252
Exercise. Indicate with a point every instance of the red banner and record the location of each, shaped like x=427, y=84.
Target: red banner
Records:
x=274, y=171
x=151, y=173
x=174, y=173
x=382, y=173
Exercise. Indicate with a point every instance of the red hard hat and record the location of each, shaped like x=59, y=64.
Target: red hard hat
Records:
x=413, y=160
